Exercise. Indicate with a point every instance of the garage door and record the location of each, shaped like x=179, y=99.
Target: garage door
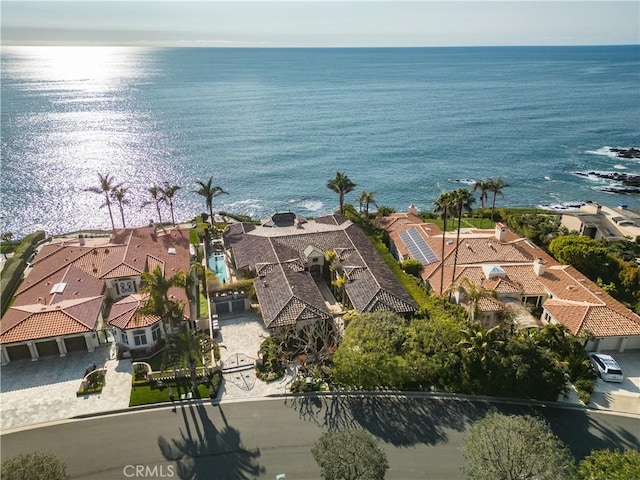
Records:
x=609, y=343
x=633, y=343
x=75, y=344
x=221, y=307
x=47, y=348
x=18, y=352
x=237, y=305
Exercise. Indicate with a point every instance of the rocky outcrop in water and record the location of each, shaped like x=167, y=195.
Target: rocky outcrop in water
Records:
x=627, y=152
x=630, y=184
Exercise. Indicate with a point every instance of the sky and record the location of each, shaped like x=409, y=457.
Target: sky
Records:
x=305, y=23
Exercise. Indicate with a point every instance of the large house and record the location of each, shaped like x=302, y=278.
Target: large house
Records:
x=60, y=306
x=604, y=223
x=519, y=272
x=286, y=256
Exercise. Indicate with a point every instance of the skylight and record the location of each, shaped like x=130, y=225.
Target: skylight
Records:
x=171, y=251
x=58, y=288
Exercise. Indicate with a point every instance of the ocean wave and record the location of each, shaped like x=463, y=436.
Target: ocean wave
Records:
x=561, y=207
x=311, y=205
x=615, y=152
x=620, y=167
x=466, y=181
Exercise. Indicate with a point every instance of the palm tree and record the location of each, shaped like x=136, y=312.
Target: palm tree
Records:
x=495, y=187
x=483, y=187
x=462, y=200
x=479, y=342
x=105, y=188
x=183, y=348
x=168, y=192
x=119, y=193
x=157, y=196
x=474, y=294
x=366, y=198
x=342, y=185
x=443, y=206
x=209, y=192
x=157, y=286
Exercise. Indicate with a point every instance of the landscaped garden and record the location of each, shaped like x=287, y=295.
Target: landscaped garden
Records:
x=145, y=391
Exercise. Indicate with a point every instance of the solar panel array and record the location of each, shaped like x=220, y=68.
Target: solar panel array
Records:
x=417, y=247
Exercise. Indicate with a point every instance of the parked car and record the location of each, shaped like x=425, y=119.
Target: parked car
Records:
x=607, y=368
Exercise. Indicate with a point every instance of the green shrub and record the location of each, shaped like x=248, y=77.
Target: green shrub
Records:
x=584, y=386
x=95, y=383
x=34, y=466
x=412, y=267
x=270, y=367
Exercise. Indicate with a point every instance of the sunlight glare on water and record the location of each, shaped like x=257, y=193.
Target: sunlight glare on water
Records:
x=82, y=119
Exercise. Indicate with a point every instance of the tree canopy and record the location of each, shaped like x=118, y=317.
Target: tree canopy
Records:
x=34, y=466
x=506, y=447
x=610, y=464
x=350, y=455
x=583, y=253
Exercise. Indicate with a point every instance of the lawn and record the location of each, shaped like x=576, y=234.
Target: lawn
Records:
x=204, y=306
x=143, y=393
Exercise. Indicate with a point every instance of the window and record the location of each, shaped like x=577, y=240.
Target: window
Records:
x=124, y=336
x=140, y=337
x=155, y=332
x=125, y=287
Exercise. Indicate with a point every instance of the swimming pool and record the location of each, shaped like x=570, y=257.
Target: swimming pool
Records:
x=217, y=265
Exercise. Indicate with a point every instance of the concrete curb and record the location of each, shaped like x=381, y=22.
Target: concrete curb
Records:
x=424, y=395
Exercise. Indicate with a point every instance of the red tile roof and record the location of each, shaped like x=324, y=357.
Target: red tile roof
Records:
x=34, y=322
x=39, y=313
x=126, y=314
x=575, y=300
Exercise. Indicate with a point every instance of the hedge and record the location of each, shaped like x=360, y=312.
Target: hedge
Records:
x=14, y=267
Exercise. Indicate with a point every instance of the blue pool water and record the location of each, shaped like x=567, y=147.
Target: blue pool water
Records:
x=217, y=266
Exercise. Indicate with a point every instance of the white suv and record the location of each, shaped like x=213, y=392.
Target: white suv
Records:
x=607, y=368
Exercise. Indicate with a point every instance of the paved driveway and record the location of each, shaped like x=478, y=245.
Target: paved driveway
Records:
x=240, y=338
x=622, y=397
x=45, y=390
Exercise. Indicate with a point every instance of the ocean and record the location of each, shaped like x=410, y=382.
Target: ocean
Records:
x=273, y=125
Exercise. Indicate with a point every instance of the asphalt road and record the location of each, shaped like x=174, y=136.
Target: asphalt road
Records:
x=421, y=437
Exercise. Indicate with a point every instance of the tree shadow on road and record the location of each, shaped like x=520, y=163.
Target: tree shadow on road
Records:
x=405, y=420
x=201, y=451
x=399, y=420
x=584, y=431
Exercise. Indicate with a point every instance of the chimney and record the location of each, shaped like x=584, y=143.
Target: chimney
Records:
x=81, y=239
x=152, y=228
x=412, y=209
x=501, y=232
x=538, y=267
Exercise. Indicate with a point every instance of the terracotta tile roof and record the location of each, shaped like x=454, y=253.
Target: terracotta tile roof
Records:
x=82, y=270
x=78, y=284
x=34, y=322
x=576, y=301
x=125, y=314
